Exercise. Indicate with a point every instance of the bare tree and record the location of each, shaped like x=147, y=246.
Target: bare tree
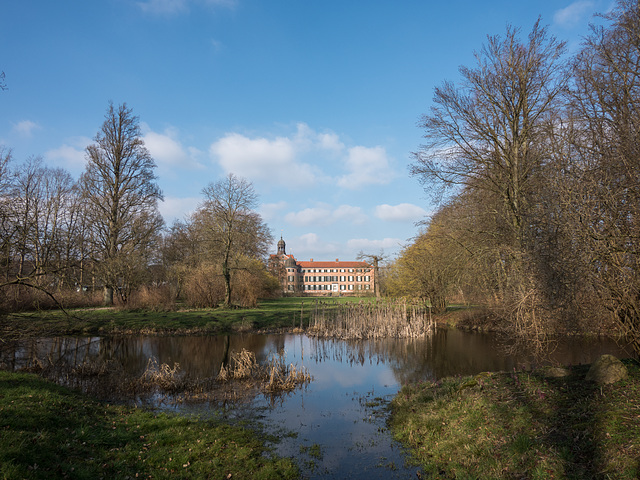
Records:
x=229, y=228
x=121, y=200
x=484, y=134
x=488, y=143
x=605, y=187
x=6, y=223
x=375, y=261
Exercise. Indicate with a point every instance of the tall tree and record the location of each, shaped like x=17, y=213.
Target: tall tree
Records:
x=229, y=227
x=121, y=199
x=487, y=138
x=605, y=191
x=485, y=133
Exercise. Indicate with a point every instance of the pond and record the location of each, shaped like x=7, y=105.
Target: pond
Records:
x=335, y=426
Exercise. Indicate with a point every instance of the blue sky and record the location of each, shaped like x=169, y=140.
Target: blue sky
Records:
x=316, y=103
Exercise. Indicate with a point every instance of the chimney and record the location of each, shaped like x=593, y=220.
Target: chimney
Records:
x=337, y=260
x=312, y=259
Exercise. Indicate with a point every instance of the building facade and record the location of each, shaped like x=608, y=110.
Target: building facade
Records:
x=321, y=278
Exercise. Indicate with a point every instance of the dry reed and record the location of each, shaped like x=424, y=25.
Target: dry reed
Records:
x=162, y=376
x=366, y=320
x=275, y=376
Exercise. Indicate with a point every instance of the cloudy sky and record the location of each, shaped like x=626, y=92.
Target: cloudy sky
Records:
x=315, y=102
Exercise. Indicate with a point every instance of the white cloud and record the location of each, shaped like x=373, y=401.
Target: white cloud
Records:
x=366, y=166
x=330, y=141
x=403, y=212
x=573, y=14
x=70, y=155
x=310, y=246
x=270, y=211
x=306, y=138
x=297, y=160
x=323, y=215
x=168, y=151
x=262, y=159
x=353, y=215
x=320, y=216
x=174, y=208
x=25, y=128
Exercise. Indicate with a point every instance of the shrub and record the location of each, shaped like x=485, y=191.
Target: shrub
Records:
x=159, y=298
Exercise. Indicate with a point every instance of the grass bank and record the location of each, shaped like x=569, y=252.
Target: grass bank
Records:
x=272, y=314
x=525, y=425
x=47, y=431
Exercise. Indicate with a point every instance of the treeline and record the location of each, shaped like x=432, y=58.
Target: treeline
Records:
x=538, y=156
x=100, y=239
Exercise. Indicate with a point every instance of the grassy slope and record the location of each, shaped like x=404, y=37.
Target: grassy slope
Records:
x=270, y=314
x=47, y=432
x=522, y=425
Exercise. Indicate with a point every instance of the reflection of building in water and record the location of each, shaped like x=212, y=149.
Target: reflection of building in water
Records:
x=321, y=278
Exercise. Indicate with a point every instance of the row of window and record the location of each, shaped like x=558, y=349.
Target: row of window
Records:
x=332, y=287
x=332, y=278
x=330, y=270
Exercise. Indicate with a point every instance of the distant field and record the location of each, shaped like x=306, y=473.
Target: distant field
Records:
x=281, y=313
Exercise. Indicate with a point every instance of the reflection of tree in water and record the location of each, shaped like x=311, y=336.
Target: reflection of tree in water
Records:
x=445, y=353
x=137, y=368
x=198, y=356
x=448, y=352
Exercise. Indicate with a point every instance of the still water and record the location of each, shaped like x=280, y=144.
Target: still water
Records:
x=335, y=426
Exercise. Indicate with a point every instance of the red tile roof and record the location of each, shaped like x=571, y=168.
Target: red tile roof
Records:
x=337, y=264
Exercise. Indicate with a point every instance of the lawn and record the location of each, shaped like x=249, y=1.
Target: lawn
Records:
x=48, y=432
x=522, y=425
x=270, y=314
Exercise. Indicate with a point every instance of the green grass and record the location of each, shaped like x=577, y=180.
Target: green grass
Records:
x=47, y=431
x=282, y=313
x=522, y=425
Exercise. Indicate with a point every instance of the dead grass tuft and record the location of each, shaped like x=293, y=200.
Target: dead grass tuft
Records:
x=273, y=377
x=163, y=376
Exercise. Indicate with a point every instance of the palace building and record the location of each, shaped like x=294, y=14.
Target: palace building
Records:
x=321, y=278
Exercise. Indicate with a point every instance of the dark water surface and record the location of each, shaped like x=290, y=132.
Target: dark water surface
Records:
x=335, y=426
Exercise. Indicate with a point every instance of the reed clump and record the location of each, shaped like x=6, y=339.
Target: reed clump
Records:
x=368, y=320
x=273, y=377
x=240, y=378
x=169, y=379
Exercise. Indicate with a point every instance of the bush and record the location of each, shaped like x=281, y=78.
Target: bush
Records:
x=204, y=287
x=160, y=298
x=20, y=298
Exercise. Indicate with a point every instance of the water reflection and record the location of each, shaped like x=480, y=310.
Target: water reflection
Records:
x=446, y=353
x=337, y=411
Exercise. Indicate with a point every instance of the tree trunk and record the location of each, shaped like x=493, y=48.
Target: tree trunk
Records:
x=226, y=273
x=108, y=296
